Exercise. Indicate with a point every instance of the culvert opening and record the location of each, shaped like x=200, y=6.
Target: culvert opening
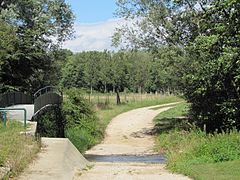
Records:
x=154, y=159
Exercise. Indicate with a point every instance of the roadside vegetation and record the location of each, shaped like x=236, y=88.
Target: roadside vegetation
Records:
x=16, y=150
x=194, y=152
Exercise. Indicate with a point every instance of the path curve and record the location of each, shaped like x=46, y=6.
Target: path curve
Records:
x=127, y=134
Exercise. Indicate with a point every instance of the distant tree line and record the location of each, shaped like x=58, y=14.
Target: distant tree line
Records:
x=129, y=71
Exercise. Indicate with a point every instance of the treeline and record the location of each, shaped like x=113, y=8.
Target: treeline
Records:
x=129, y=71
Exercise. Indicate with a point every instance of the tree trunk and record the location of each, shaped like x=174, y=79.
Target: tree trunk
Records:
x=140, y=89
x=89, y=97
x=91, y=89
x=113, y=89
x=105, y=87
x=118, y=97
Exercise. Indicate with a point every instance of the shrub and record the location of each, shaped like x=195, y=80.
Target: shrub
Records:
x=82, y=125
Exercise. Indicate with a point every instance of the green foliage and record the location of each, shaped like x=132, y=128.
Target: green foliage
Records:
x=218, y=148
x=72, y=73
x=59, y=59
x=82, y=70
x=213, y=88
x=75, y=107
x=207, y=36
x=157, y=23
x=137, y=71
x=28, y=28
x=188, y=149
x=82, y=126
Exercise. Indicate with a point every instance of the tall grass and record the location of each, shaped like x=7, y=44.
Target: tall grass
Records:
x=16, y=151
x=191, y=148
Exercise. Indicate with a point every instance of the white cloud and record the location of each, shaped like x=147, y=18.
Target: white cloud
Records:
x=95, y=36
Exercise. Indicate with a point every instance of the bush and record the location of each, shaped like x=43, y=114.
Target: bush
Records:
x=75, y=107
x=82, y=126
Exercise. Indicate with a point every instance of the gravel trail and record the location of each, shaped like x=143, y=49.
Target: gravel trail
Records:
x=129, y=134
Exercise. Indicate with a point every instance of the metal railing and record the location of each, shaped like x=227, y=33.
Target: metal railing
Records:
x=47, y=99
x=46, y=90
x=48, y=95
x=4, y=110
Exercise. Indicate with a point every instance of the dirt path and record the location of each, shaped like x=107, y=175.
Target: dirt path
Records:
x=128, y=134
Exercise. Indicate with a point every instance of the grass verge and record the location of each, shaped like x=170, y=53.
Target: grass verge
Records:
x=16, y=151
x=192, y=152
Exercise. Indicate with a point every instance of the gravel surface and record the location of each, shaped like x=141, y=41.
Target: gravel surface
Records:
x=129, y=134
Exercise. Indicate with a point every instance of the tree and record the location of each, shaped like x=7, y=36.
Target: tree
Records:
x=7, y=48
x=155, y=23
x=105, y=70
x=73, y=72
x=119, y=73
x=140, y=70
x=92, y=69
x=59, y=58
x=207, y=33
x=214, y=87
x=40, y=27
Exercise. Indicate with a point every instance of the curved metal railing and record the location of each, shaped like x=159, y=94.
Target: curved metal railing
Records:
x=48, y=95
x=46, y=90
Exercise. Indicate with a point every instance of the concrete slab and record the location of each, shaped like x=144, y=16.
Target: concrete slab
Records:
x=59, y=159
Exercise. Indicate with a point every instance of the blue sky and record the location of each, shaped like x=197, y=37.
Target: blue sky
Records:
x=92, y=11
x=94, y=25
